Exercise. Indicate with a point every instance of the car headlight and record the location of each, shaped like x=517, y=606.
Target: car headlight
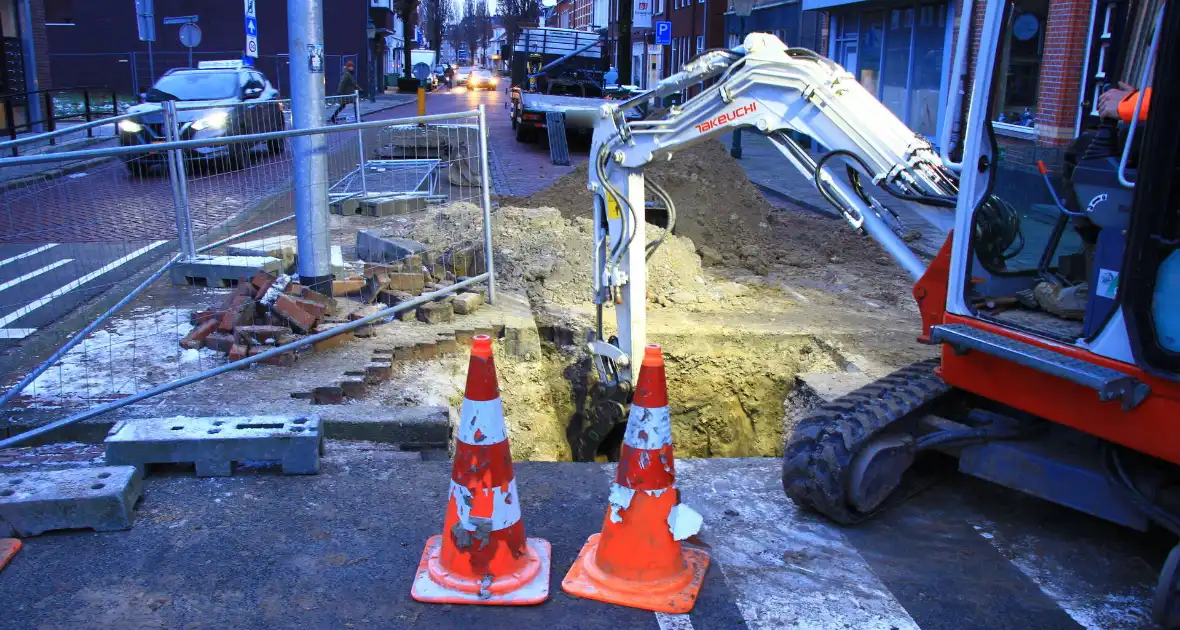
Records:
x=216, y=120
x=130, y=126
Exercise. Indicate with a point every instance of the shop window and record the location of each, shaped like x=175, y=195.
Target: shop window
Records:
x=872, y=37
x=929, y=38
x=1015, y=103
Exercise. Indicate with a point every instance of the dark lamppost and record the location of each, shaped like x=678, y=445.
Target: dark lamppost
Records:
x=743, y=9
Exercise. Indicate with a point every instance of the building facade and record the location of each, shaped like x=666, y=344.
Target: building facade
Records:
x=24, y=62
x=97, y=43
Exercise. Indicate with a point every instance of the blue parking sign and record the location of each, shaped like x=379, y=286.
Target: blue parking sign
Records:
x=663, y=33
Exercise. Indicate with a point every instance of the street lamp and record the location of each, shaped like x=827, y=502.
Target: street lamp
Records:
x=743, y=9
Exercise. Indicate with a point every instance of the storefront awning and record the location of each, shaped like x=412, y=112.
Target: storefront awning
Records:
x=812, y=5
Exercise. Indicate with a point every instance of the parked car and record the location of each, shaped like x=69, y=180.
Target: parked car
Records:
x=218, y=99
x=482, y=80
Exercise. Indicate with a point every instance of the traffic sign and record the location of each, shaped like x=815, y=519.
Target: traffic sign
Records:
x=190, y=35
x=251, y=30
x=663, y=33
x=145, y=19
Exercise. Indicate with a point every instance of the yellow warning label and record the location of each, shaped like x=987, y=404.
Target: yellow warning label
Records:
x=612, y=208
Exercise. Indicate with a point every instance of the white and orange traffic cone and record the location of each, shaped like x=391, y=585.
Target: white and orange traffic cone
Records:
x=482, y=556
x=638, y=560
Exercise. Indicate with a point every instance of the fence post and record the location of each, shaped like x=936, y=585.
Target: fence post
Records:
x=179, y=179
x=86, y=109
x=50, y=116
x=360, y=141
x=115, y=105
x=485, y=182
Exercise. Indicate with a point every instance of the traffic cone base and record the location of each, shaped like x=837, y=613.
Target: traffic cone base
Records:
x=528, y=585
x=676, y=595
x=8, y=549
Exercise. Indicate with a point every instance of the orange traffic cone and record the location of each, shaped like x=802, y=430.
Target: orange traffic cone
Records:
x=8, y=549
x=482, y=556
x=638, y=560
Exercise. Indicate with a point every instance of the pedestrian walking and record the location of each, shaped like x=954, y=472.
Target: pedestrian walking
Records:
x=347, y=87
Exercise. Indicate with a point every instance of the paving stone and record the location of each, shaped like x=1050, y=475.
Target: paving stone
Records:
x=372, y=247
x=467, y=303
x=102, y=499
x=436, y=313
x=215, y=443
x=221, y=271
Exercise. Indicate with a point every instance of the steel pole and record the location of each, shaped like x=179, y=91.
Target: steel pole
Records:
x=360, y=141
x=178, y=178
x=305, y=33
x=485, y=183
x=735, y=148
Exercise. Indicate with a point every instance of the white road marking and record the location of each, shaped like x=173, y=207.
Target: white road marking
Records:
x=31, y=252
x=36, y=304
x=673, y=622
x=34, y=274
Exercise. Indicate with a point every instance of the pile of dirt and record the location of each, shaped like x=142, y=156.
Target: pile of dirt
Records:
x=539, y=250
x=733, y=225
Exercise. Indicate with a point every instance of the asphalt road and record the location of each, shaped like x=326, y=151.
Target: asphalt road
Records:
x=340, y=549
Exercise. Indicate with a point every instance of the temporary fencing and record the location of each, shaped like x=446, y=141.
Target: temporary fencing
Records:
x=109, y=235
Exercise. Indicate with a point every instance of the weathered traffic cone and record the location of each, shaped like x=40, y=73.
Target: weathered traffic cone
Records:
x=638, y=560
x=8, y=549
x=482, y=556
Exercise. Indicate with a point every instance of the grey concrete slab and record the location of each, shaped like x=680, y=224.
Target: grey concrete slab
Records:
x=372, y=247
x=283, y=247
x=222, y=271
x=215, y=443
x=100, y=498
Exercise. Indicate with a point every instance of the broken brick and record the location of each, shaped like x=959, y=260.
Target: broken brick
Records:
x=333, y=341
x=282, y=359
x=393, y=297
x=294, y=288
x=196, y=337
x=255, y=335
x=327, y=395
x=328, y=303
x=353, y=387
x=295, y=311
x=237, y=352
x=219, y=342
x=348, y=286
x=200, y=317
x=436, y=313
x=467, y=303
x=262, y=278
x=264, y=288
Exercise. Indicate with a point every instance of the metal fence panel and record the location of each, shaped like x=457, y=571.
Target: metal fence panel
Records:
x=77, y=232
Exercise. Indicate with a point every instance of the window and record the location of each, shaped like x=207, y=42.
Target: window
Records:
x=659, y=7
x=734, y=41
x=59, y=12
x=700, y=44
x=1015, y=102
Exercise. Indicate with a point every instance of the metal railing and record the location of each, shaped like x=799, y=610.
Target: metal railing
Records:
x=222, y=186
x=85, y=104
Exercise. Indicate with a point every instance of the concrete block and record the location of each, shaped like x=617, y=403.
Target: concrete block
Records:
x=436, y=313
x=410, y=282
x=336, y=259
x=353, y=386
x=346, y=207
x=372, y=247
x=284, y=247
x=102, y=499
x=467, y=303
x=214, y=444
x=377, y=371
x=221, y=271
x=348, y=286
x=392, y=205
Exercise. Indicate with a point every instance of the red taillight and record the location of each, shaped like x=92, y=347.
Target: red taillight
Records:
x=529, y=116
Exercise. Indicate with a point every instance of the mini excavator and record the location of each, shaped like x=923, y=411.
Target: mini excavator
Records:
x=1077, y=403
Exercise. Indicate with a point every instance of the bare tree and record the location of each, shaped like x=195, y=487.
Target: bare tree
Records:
x=517, y=14
x=470, y=28
x=483, y=28
x=436, y=15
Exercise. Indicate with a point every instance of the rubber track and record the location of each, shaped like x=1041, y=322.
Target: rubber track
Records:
x=819, y=454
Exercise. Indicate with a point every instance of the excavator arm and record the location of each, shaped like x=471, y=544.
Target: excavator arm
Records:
x=776, y=89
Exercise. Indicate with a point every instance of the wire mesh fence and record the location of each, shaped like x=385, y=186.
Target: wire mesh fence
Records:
x=406, y=202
